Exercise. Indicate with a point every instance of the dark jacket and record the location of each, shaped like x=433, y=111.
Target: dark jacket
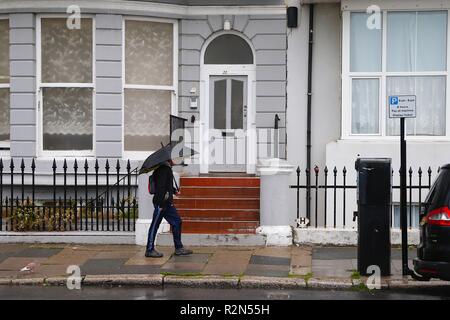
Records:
x=164, y=186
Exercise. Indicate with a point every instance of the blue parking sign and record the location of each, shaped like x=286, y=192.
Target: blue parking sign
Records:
x=393, y=100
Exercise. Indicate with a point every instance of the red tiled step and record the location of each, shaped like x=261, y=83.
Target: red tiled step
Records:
x=219, y=192
x=220, y=214
x=219, y=227
x=219, y=182
x=217, y=203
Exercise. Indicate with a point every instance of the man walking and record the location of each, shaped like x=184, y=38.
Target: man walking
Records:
x=164, y=208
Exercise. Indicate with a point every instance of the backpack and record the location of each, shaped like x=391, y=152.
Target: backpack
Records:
x=152, y=184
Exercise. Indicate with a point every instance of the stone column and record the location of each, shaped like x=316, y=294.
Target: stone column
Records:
x=275, y=217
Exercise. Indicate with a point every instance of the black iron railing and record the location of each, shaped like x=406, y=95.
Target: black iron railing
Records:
x=334, y=200
x=71, y=197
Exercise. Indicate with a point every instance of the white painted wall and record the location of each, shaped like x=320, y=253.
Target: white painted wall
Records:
x=326, y=89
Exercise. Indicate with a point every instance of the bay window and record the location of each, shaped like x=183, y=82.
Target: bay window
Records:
x=4, y=84
x=405, y=55
x=66, y=86
x=150, y=83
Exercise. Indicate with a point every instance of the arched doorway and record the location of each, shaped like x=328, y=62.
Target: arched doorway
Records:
x=227, y=104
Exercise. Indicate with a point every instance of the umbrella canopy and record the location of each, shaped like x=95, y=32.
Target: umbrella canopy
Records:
x=164, y=154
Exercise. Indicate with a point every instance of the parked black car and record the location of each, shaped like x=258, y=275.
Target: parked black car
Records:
x=433, y=253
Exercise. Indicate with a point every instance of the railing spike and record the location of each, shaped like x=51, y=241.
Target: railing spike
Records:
x=22, y=165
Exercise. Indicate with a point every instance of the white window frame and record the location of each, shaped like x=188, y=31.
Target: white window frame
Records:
x=348, y=76
x=40, y=85
x=5, y=146
x=141, y=155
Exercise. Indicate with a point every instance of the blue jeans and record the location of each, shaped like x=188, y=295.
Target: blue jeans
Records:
x=169, y=213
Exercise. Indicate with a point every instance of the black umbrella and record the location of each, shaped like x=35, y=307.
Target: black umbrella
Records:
x=165, y=153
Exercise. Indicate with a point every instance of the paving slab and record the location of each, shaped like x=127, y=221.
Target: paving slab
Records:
x=195, y=258
x=17, y=263
x=38, y=252
x=11, y=247
x=8, y=274
x=102, y=266
x=270, y=260
x=301, y=261
x=334, y=253
x=220, y=264
x=114, y=255
x=52, y=270
x=149, y=269
x=183, y=267
x=268, y=270
x=280, y=252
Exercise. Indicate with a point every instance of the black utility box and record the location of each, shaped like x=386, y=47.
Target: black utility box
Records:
x=374, y=194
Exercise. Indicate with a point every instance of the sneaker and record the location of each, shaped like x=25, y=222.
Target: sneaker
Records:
x=183, y=252
x=153, y=254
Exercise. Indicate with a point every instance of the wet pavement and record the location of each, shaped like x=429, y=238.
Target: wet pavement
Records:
x=52, y=260
x=137, y=293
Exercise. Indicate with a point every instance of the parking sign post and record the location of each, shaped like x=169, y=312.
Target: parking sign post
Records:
x=403, y=107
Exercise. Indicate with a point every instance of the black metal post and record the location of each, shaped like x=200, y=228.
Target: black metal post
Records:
x=309, y=112
x=129, y=190
x=96, y=167
x=65, y=220
x=75, y=172
x=298, y=193
x=86, y=169
x=54, y=194
x=325, y=171
x=11, y=167
x=22, y=176
x=403, y=211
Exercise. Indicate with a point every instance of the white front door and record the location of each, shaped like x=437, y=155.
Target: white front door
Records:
x=228, y=101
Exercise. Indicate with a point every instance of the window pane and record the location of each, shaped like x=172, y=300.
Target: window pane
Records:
x=365, y=45
x=417, y=41
x=147, y=120
x=228, y=49
x=237, y=104
x=4, y=51
x=365, y=106
x=149, y=53
x=4, y=115
x=220, y=104
x=67, y=118
x=430, y=104
x=66, y=53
